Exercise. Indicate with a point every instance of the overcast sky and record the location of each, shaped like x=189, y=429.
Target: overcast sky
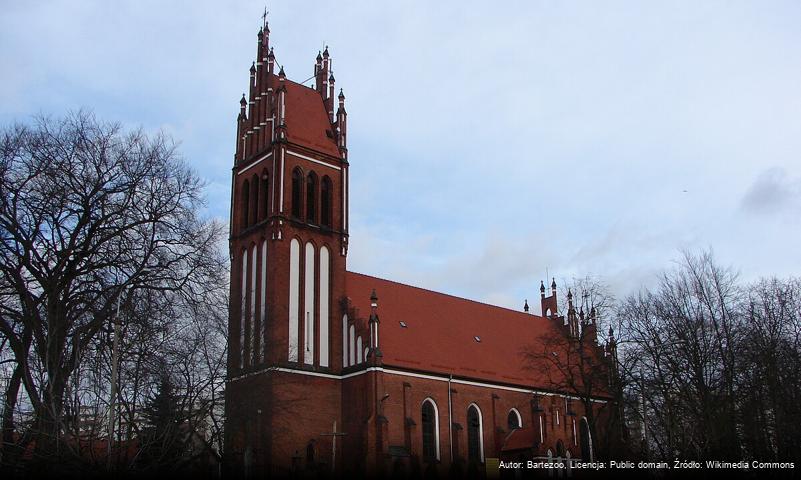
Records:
x=489, y=142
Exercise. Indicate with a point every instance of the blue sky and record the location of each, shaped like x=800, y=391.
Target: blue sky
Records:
x=488, y=141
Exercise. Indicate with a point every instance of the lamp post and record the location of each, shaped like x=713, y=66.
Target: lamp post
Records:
x=115, y=359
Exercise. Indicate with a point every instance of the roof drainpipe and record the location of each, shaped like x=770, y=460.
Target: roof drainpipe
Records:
x=450, y=417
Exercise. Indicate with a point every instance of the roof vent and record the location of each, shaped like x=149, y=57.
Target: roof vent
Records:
x=477, y=338
x=403, y=324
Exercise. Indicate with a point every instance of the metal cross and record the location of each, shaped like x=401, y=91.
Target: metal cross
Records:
x=334, y=434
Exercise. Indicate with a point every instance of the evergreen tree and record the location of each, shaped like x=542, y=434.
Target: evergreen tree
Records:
x=165, y=437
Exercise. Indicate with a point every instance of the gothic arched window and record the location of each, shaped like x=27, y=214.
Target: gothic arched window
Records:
x=245, y=204
x=297, y=193
x=325, y=202
x=430, y=429
x=474, y=435
x=311, y=198
x=513, y=420
x=254, y=200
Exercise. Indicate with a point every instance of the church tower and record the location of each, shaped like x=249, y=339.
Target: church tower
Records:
x=288, y=249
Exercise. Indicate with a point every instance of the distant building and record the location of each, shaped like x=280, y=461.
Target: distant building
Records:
x=336, y=369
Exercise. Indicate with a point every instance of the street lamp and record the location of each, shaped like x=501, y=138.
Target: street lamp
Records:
x=115, y=360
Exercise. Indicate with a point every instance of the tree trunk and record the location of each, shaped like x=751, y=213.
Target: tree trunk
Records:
x=9, y=451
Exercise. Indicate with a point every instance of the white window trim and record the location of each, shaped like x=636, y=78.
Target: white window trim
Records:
x=480, y=431
x=436, y=422
x=517, y=414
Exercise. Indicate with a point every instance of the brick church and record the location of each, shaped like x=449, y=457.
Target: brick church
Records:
x=332, y=370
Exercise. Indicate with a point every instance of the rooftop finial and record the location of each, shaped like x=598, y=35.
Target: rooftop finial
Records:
x=525, y=306
x=264, y=18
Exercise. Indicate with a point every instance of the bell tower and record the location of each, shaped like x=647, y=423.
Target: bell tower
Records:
x=288, y=249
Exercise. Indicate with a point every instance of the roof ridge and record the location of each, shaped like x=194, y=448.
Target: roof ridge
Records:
x=447, y=294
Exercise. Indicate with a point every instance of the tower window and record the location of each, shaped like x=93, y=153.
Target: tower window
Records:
x=325, y=202
x=297, y=193
x=254, y=200
x=264, y=195
x=311, y=198
x=245, y=204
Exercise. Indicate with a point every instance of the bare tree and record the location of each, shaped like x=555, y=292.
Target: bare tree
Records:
x=89, y=215
x=684, y=336
x=570, y=358
x=769, y=366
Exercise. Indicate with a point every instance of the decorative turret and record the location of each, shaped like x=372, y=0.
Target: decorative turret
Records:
x=571, y=321
x=549, y=305
x=271, y=61
x=374, y=323
x=326, y=69
x=243, y=103
x=241, y=129
x=611, y=345
x=342, y=127
x=280, y=130
x=329, y=102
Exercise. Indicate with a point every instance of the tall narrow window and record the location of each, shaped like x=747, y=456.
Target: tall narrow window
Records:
x=430, y=424
x=474, y=436
x=245, y=204
x=264, y=195
x=254, y=200
x=253, y=343
x=325, y=202
x=243, y=309
x=586, y=439
x=311, y=198
x=297, y=193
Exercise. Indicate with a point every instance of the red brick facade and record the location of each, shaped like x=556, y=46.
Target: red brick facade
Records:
x=319, y=356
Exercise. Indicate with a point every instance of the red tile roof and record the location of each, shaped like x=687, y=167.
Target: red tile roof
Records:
x=441, y=332
x=306, y=118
